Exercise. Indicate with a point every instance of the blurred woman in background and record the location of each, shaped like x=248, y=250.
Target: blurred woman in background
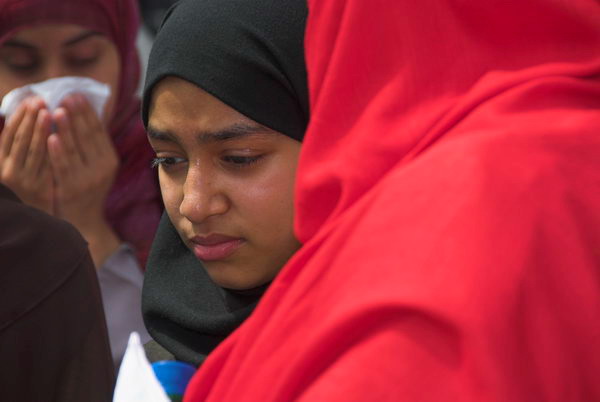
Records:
x=95, y=173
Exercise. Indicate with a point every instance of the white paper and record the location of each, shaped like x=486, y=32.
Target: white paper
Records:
x=54, y=90
x=136, y=381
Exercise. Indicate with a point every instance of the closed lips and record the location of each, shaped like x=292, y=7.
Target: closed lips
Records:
x=215, y=246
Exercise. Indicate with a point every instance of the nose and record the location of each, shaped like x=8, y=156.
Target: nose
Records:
x=55, y=68
x=203, y=196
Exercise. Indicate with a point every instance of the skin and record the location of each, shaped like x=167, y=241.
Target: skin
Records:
x=239, y=184
x=67, y=173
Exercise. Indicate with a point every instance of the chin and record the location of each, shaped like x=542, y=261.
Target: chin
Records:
x=233, y=281
x=228, y=280
x=238, y=285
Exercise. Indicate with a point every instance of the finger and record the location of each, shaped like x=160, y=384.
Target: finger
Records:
x=58, y=162
x=45, y=170
x=22, y=140
x=89, y=113
x=101, y=139
x=97, y=140
x=77, y=124
x=37, y=150
x=65, y=133
x=10, y=129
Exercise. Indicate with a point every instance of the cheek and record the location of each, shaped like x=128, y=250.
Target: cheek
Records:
x=10, y=81
x=172, y=194
x=109, y=109
x=269, y=203
x=108, y=72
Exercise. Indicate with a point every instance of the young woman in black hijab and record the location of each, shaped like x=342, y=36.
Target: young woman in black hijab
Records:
x=226, y=106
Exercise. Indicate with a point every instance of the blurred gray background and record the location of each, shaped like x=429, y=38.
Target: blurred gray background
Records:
x=152, y=12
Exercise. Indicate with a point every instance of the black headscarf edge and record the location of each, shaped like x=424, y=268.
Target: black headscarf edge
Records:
x=252, y=61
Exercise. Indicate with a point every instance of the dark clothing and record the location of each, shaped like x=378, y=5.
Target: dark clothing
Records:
x=184, y=310
x=53, y=336
x=156, y=353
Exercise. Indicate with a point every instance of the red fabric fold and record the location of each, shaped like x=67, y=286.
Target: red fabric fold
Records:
x=447, y=196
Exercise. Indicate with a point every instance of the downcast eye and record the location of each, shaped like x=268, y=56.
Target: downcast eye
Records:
x=241, y=160
x=166, y=161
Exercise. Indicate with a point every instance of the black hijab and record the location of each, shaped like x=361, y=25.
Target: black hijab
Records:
x=249, y=54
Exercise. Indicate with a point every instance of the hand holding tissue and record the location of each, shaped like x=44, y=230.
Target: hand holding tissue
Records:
x=57, y=155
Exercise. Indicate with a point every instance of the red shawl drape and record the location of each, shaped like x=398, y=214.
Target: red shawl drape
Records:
x=448, y=198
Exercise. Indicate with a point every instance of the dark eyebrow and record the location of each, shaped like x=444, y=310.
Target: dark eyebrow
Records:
x=19, y=44
x=81, y=37
x=232, y=132
x=159, y=135
x=70, y=42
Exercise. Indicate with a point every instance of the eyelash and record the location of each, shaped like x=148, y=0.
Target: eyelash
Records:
x=242, y=161
x=236, y=161
x=24, y=68
x=167, y=162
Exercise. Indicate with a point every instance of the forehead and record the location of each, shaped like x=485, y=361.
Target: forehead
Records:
x=177, y=103
x=182, y=112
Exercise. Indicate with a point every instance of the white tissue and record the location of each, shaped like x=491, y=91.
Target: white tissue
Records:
x=54, y=90
x=136, y=380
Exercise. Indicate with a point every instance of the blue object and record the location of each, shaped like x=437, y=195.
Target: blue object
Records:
x=173, y=375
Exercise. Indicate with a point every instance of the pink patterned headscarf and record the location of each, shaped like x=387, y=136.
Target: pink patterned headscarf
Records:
x=133, y=206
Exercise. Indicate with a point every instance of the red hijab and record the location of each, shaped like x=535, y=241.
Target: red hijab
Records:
x=133, y=206
x=448, y=199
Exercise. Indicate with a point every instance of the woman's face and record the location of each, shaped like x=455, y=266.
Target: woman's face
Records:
x=55, y=50
x=227, y=184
